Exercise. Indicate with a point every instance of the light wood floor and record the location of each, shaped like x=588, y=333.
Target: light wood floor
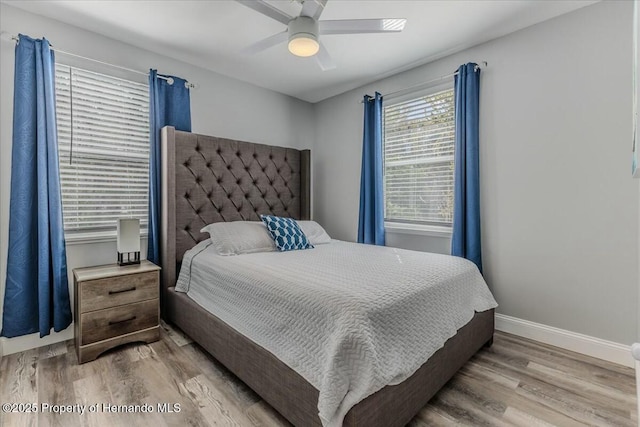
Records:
x=515, y=382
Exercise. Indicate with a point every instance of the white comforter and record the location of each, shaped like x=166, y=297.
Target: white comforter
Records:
x=349, y=318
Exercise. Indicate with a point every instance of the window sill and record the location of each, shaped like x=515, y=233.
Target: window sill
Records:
x=418, y=229
x=93, y=237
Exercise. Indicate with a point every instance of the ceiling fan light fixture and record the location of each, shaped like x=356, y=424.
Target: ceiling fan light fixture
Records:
x=303, y=36
x=303, y=45
x=303, y=31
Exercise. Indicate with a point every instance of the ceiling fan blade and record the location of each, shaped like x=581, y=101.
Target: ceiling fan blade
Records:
x=268, y=10
x=265, y=43
x=358, y=26
x=313, y=8
x=324, y=59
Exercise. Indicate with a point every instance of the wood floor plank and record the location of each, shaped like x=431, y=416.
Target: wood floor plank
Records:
x=546, y=382
x=215, y=407
x=514, y=400
x=432, y=416
x=167, y=351
x=52, y=350
x=125, y=386
x=176, y=335
x=262, y=415
x=519, y=418
x=611, y=397
x=580, y=366
x=589, y=415
x=516, y=382
x=463, y=416
x=52, y=378
x=547, y=392
x=165, y=389
x=93, y=390
x=20, y=385
x=221, y=376
x=483, y=373
x=138, y=351
x=462, y=398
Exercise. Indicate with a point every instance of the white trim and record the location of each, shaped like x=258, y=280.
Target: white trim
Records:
x=584, y=344
x=28, y=342
x=425, y=90
x=418, y=229
x=81, y=238
x=638, y=389
x=72, y=238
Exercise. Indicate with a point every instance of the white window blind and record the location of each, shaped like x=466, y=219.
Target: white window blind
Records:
x=418, y=159
x=103, y=143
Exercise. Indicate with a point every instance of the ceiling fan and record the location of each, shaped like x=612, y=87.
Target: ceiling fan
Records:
x=303, y=31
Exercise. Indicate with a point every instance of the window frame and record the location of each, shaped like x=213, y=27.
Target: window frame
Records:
x=413, y=227
x=88, y=235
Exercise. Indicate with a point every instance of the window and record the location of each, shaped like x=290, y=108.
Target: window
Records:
x=418, y=159
x=103, y=143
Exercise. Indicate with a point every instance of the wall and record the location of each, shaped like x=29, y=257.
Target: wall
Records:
x=220, y=106
x=559, y=207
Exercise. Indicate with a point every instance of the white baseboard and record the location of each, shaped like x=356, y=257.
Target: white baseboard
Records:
x=584, y=344
x=27, y=342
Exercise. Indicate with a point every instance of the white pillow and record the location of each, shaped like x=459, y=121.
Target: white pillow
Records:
x=239, y=237
x=314, y=232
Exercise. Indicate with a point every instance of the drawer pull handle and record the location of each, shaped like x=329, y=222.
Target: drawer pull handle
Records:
x=133, y=288
x=128, y=319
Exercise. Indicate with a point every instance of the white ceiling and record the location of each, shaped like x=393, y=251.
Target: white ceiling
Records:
x=211, y=34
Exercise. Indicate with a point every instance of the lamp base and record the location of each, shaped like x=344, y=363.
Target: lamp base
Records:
x=128, y=258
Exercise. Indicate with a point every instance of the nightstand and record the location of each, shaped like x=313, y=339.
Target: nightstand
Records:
x=115, y=305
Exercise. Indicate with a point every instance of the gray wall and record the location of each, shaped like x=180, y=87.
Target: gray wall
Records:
x=220, y=106
x=559, y=207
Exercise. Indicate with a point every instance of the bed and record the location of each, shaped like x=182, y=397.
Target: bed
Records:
x=206, y=180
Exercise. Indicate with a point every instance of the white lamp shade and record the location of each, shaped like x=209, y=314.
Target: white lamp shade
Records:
x=128, y=235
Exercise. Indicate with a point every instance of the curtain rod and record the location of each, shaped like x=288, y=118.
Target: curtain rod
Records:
x=427, y=83
x=187, y=84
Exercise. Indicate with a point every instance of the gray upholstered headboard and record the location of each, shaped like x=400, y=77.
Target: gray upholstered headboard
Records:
x=207, y=179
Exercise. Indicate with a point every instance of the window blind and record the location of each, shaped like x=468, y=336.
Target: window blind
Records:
x=418, y=159
x=103, y=143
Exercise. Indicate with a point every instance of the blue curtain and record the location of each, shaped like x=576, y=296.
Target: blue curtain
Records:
x=36, y=293
x=169, y=105
x=466, y=199
x=371, y=220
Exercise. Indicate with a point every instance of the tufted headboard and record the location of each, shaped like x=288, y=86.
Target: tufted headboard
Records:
x=207, y=179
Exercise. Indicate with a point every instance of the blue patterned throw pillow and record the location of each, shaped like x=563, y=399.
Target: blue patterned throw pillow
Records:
x=286, y=233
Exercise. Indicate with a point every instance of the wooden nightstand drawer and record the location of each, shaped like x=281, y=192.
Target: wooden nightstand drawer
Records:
x=114, y=291
x=115, y=305
x=111, y=322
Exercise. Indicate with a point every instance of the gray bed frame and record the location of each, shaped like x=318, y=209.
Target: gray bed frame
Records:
x=207, y=179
